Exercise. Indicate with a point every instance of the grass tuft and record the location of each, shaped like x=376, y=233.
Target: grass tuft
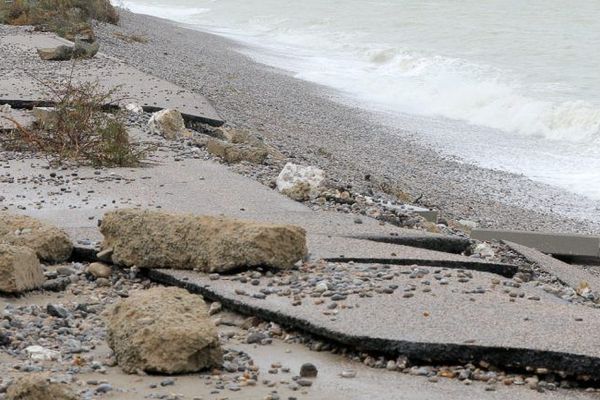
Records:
x=77, y=129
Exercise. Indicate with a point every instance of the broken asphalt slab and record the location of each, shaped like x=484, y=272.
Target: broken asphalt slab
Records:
x=77, y=202
x=453, y=244
x=22, y=88
x=367, y=251
x=572, y=275
x=551, y=243
x=460, y=321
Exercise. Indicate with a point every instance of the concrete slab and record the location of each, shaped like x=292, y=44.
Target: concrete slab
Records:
x=447, y=244
x=18, y=85
x=571, y=275
x=76, y=199
x=23, y=118
x=357, y=250
x=551, y=243
x=458, y=320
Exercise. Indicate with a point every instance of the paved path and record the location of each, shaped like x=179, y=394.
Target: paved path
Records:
x=462, y=319
x=23, y=74
x=572, y=275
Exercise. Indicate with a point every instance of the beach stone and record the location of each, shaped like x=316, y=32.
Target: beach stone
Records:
x=163, y=330
x=99, y=270
x=300, y=182
x=20, y=269
x=38, y=387
x=241, y=136
x=59, y=53
x=134, y=108
x=50, y=243
x=151, y=239
x=235, y=153
x=169, y=124
x=39, y=353
x=308, y=370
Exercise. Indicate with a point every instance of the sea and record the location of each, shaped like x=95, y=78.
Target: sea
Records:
x=504, y=84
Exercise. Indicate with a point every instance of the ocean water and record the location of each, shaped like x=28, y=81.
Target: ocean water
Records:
x=505, y=84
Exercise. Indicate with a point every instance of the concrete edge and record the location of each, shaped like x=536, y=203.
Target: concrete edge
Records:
x=88, y=254
x=448, y=244
x=546, y=242
x=29, y=104
x=444, y=353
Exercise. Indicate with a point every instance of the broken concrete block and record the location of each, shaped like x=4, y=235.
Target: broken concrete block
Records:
x=163, y=330
x=210, y=244
x=235, y=153
x=39, y=387
x=20, y=269
x=50, y=243
x=59, y=53
x=169, y=124
x=300, y=182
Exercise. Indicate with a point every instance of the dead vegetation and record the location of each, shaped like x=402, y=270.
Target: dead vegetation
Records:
x=70, y=19
x=82, y=127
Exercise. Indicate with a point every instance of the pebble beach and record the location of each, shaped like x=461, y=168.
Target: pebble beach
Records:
x=304, y=122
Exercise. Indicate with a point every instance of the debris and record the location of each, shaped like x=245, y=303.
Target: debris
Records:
x=211, y=244
x=163, y=330
x=20, y=269
x=169, y=124
x=50, y=243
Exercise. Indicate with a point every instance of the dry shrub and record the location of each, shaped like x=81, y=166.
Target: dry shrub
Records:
x=67, y=18
x=79, y=130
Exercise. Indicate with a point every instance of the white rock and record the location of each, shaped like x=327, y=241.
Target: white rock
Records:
x=468, y=224
x=321, y=287
x=169, y=124
x=484, y=250
x=293, y=174
x=348, y=373
x=134, y=108
x=39, y=353
x=5, y=108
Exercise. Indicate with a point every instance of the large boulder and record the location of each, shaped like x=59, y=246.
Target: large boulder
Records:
x=50, y=243
x=20, y=269
x=38, y=387
x=235, y=153
x=169, y=124
x=300, y=182
x=163, y=330
x=211, y=244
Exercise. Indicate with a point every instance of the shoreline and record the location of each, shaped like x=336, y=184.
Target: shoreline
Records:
x=371, y=313
x=303, y=121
